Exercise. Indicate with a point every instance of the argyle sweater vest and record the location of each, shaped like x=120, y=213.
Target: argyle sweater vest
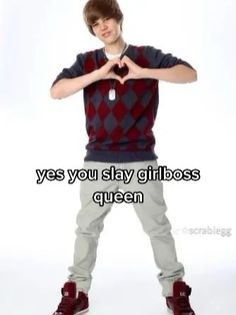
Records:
x=120, y=130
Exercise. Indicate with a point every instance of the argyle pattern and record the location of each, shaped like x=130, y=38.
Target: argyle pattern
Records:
x=124, y=124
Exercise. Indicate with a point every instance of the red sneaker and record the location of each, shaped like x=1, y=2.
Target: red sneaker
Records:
x=179, y=302
x=70, y=305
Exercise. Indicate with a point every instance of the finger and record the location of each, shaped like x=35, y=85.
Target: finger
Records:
x=127, y=77
x=127, y=63
x=116, y=77
x=126, y=59
x=122, y=81
x=123, y=63
x=116, y=61
x=119, y=79
x=113, y=62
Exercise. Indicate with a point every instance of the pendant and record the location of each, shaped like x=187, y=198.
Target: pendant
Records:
x=112, y=94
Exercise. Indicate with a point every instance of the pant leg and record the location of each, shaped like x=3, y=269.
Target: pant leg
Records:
x=89, y=226
x=156, y=224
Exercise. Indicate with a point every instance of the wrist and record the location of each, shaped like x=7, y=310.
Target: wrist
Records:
x=96, y=75
x=146, y=73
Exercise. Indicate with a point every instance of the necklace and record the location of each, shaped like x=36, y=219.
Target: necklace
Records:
x=112, y=91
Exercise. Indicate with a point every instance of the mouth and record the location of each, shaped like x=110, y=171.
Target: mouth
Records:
x=106, y=34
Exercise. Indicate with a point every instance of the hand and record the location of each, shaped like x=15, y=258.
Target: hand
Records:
x=106, y=71
x=135, y=71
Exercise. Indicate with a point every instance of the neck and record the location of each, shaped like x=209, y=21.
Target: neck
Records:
x=115, y=47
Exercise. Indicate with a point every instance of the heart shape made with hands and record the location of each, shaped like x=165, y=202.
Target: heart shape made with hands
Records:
x=122, y=72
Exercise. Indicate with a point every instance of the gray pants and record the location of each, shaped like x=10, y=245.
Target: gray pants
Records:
x=151, y=214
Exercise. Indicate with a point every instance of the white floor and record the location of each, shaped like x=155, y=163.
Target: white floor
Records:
x=127, y=285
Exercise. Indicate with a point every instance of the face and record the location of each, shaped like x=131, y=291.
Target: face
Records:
x=107, y=30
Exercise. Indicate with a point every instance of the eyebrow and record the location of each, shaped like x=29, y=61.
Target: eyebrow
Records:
x=102, y=18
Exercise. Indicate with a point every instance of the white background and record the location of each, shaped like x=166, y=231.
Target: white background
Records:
x=195, y=128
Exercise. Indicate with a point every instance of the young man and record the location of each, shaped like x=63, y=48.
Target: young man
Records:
x=120, y=84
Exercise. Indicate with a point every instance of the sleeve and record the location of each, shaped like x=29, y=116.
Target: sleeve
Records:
x=158, y=59
x=77, y=69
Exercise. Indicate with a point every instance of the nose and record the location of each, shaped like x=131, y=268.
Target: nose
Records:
x=103, y=26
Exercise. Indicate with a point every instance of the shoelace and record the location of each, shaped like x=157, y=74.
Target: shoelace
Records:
x=66, y=304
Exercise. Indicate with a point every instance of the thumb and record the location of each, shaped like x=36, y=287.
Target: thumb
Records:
x=127, y=77
x=117, y=77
